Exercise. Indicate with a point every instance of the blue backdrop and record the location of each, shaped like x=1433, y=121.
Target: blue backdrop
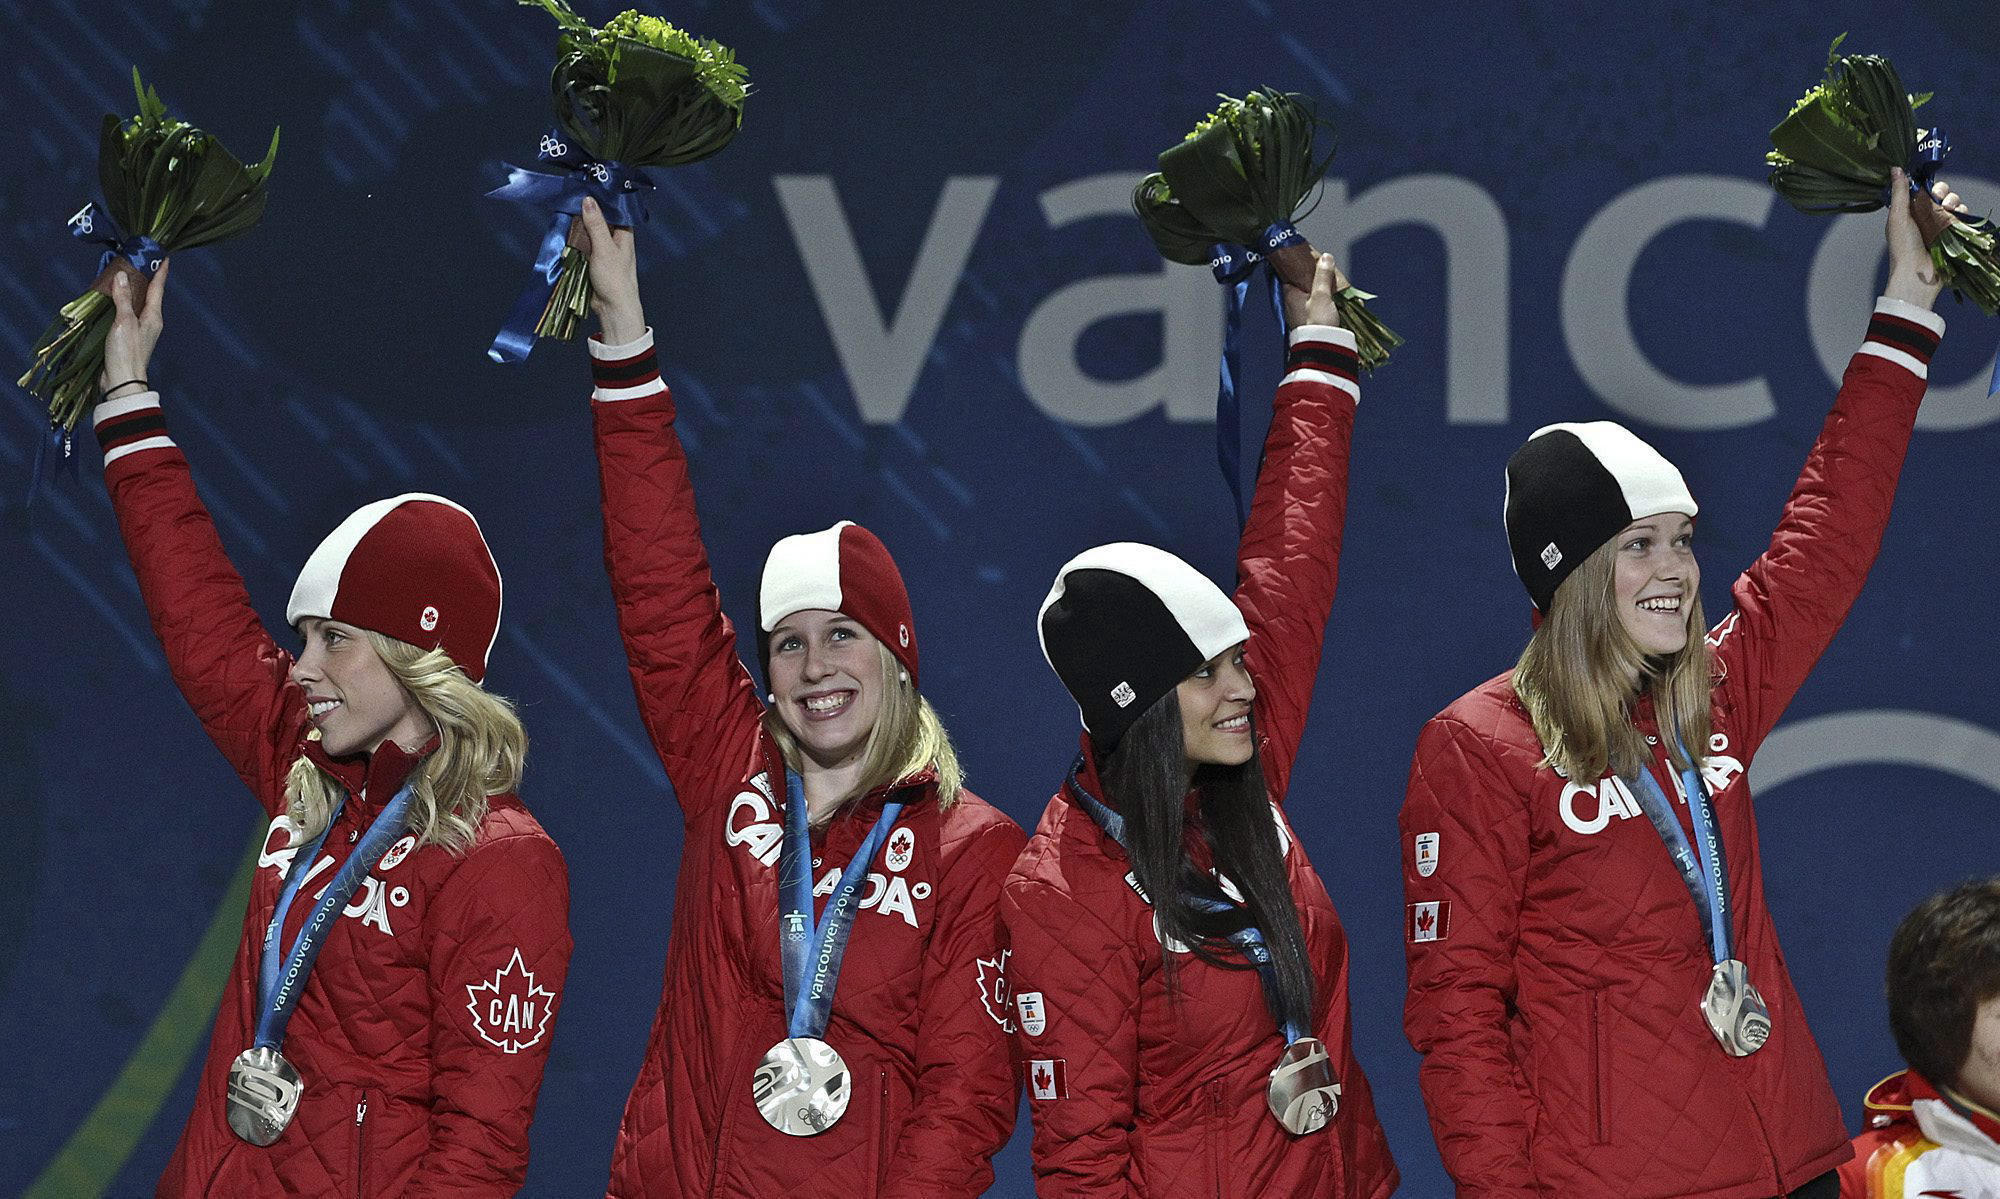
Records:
x=912, y=294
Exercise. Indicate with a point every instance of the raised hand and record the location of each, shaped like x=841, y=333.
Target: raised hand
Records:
x=1318, y=306
x=614, y=276
x=128, y=347
x=1913, y=276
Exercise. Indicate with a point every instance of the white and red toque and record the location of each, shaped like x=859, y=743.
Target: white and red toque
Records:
x=414, y=567
x=843, y=569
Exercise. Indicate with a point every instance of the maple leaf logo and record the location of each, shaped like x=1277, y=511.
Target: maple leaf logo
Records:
x=510, y=1011
x=1426, y=921
x=993, y=990
x=1043, y=1079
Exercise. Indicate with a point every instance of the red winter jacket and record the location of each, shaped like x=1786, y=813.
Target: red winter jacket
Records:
x=1556, y=961
x=423, y=1028
x=920, y=1009
x=1920, y=1143
x=1136, y=1092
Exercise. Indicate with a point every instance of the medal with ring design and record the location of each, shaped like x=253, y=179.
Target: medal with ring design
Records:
x=1304, y=1095
x=1735, y=1011
x=264, y=1092
x=801, y=1087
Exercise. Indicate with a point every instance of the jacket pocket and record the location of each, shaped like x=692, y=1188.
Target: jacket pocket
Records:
x=1214, y=1144
x=361, y=1145
x=1600, y=1074
x=882, y=1128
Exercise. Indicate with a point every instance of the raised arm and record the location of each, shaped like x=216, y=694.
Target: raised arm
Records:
x=1289, y=561
x=1793, y=599
x=1462, y=983
x=697, y=700
x=966, y=1092
x=233, y=675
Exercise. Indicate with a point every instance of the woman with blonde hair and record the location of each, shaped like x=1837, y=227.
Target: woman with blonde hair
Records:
x=386, y=1022
x=834, y=1017
x=1594, y=979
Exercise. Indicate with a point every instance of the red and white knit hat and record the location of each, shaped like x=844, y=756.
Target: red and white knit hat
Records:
x=843, y=569
x=414, y=567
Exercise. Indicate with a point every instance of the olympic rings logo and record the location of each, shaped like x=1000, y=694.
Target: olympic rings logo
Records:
x=85, y=220
x=598, y=171
x=552, y=148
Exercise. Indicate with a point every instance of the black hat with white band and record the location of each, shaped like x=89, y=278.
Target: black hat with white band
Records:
x=1124, y=624
x=1572, y=488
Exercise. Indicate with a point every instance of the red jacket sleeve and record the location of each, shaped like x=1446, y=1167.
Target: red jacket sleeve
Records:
x=233, y=675
x=499, y=944
x=1087, y=974
x=1289, y=560
x=697, y=700
x=1793, y=599
x=966, y=1095
x=1459, y=1008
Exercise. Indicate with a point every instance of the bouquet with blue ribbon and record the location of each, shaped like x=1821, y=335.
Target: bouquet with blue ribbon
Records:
x=1833, y=153
x=167, y=187
x=636, y=93
x=1226, y=196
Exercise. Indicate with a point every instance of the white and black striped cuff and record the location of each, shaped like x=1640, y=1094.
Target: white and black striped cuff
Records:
x=130, y=424
x=625, y=372
x=1904, y=334
x=1323, y=354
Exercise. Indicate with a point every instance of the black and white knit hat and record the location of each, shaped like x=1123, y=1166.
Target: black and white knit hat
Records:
x=1124, y=624
x=1572, y=488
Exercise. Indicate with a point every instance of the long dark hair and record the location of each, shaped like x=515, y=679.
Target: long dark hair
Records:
x=1146, y=777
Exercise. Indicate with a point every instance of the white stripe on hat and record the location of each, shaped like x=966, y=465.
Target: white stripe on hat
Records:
x=1208, y=617
x=802, y=572
x=1650, y=484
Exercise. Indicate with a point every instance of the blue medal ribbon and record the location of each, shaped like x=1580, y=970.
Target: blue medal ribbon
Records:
x=1233, y=267
x=812, y=952
x=278, y=989
x=1249, y=939
x=613, y=185
x=1703, y=867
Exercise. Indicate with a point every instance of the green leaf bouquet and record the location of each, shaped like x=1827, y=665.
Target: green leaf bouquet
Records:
x=1239, y=180
x=167, y=187
x=637, y=92
x=1833, y=153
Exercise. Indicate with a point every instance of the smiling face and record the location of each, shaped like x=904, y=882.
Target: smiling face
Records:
x=357, y=703
x=826, y=683
x=1215, y=711
x=1654, y=581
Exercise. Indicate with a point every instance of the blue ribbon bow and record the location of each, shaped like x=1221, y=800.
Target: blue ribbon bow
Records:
x=1234, y=266
x=96, y=226
x=613, y=185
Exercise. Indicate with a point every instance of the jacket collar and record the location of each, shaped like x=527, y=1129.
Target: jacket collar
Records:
x=1908, y=1097
x=373, y=777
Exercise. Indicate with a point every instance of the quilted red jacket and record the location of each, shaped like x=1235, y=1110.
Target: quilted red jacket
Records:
x=920, y=1009
x=1555, y=958
x=425, y=1023
x=1136, y=1092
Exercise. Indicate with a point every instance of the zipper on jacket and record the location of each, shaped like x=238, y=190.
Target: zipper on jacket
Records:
x=360, y=1147
x=1218, y=1129
x=882, y=1133
x=1599, y=1101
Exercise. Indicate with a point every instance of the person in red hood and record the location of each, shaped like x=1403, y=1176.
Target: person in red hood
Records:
x=1179, y=971
x=1934, y=1129
x=384, y=1027
x=1594, y=979
x=834, y=1014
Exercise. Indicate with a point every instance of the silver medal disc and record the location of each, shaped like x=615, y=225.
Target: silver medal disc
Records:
x=1735, y=1011
x=264, y=1092
x=801, y=1087
x=1304, y=1095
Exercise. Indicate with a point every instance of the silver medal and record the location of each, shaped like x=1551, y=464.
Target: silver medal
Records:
x=264, y=1092
x=1304, y=1095
x=1735, y=1011
x=801, y=1087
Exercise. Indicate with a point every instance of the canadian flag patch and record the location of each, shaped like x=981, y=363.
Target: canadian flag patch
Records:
x=1430, y=921
x=1048, y=1078
x=510, y=1011
x=993, y=989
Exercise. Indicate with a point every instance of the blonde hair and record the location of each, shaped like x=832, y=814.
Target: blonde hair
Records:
x=907, y=738
x=1576, y=679
x=481, y=751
